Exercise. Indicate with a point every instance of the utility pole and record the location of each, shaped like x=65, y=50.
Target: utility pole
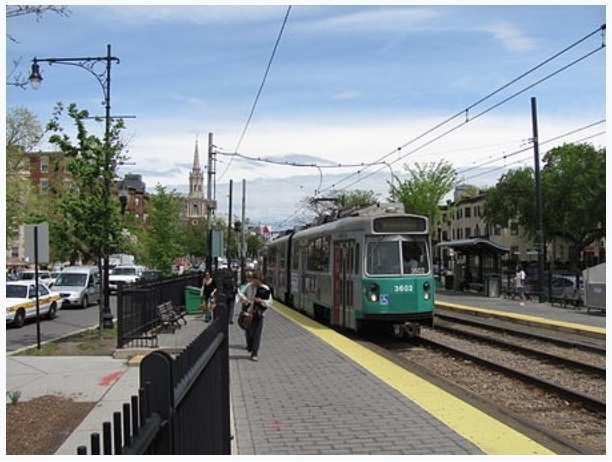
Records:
x=229, y=222
x=540, y=215
x=242, y=244
x=209, y=203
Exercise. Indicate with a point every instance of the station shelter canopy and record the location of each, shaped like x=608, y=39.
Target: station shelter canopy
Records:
x=475, y=246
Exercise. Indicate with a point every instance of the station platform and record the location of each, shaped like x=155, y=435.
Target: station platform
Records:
x=578, y=318
x=313, y=391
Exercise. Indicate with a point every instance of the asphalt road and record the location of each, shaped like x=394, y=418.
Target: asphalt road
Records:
x=68, y=321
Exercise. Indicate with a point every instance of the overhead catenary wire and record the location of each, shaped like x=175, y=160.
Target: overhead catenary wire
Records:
x=263, y=81
x=499, y=158
x=525, y=159
x=464, y=112
x=467, y=119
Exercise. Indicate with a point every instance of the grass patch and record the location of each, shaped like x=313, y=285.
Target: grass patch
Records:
x=49, y=349
x=90, y=341
x=91, y=334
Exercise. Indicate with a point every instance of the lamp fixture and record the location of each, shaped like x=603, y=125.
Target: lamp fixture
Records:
x=35, y=78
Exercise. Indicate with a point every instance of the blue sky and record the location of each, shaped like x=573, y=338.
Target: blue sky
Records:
x=348, y=85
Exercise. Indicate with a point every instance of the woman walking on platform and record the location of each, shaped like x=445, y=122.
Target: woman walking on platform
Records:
x=256, y=298
x=209, y=289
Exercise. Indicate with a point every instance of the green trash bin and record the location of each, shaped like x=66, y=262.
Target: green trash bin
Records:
x=193, y=300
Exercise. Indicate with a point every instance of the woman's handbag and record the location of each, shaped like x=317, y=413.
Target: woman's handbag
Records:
x=245, y=319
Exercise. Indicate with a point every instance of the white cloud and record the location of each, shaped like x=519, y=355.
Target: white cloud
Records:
x=349, y=94
x=511, y=37
x=193, y=14
x=387, y=20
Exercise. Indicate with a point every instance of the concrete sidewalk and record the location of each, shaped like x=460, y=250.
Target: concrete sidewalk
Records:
x=109, y=382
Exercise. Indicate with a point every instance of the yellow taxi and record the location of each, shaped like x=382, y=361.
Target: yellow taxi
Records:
x=21, y=302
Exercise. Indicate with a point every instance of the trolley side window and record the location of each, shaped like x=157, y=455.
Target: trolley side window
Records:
x=269, y=255
x=318, y=254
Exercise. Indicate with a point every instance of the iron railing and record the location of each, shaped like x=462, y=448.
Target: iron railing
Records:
x=183, y=403
x=137, y=318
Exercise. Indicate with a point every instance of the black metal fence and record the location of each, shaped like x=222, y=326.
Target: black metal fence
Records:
x=183, y=403
x=137, y=318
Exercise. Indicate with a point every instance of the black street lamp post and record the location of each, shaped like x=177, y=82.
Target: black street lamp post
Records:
x=104, y=79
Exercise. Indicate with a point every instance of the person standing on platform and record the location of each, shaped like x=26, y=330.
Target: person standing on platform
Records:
x=209, y=289
x=519, y=284
x=256, y=297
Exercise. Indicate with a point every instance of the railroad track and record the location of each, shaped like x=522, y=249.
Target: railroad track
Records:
x=551, y=385
x=597, y=345
x=593, y=403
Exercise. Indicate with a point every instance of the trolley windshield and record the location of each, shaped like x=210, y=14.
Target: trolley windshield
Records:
x=396, y=256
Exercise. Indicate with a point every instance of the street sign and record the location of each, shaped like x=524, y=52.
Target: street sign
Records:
x=42, y=244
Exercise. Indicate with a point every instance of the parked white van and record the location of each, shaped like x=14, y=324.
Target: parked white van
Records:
x=78, y=286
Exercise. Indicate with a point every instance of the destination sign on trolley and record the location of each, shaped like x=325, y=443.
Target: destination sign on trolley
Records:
x=400, y=224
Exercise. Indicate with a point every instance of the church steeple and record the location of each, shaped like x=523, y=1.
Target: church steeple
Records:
x=196, y=157
x=196, y=177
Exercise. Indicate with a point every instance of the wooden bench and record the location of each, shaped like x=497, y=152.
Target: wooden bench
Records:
x=170, y=315
x=475, y=287
x=567, y=299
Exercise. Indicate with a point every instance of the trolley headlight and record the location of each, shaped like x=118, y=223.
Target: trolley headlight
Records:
x=372, y=292
x=426, y=287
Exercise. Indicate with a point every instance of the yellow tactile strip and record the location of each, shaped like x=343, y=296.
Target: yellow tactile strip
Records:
x=526, y=317
x=488, y=434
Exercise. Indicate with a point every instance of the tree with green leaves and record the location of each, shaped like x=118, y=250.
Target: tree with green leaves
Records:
x=253, y=245
x=90, y=221
x=425, y=188
x=573, y=182
x=23, y=133
x=512, y=200
x=575, y=214
x=195, y=238
x=162, y=242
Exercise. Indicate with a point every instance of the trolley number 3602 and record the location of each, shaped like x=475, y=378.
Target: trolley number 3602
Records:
x=404, y=288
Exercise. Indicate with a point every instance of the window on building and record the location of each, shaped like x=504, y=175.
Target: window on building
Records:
x=137, y=201
x=44, y=164
x=514, y=229
x=468, y=212
x=497, y=230
x=468, y=233
x=15, y=251
x=44, y=184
